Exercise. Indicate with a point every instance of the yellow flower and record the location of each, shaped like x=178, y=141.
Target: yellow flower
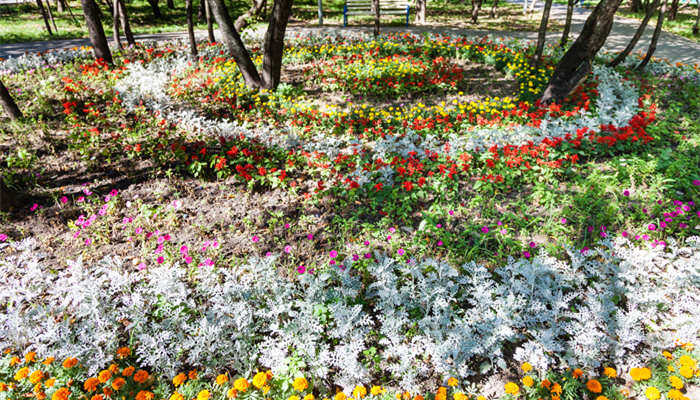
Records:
x=452, y=382
x=50, y=382
x=601, y=397
x=231, y=393
x=460, y=396
x=652, y=393
x=375, y=390
x=640, y=374
x=340, y=396
x=528, y=381
x=309, y=397
x=48, y=361
x=104, y=376
x=241, y=384
x=203, y=395
x=675, y=382
x=30, y=357
x=688, y=361
x=300, y=384
x=610, y=372
x=359, y=392
x=259, y=380
x=293, y=397
x=179, y=379
x=527, y=367
x=176, y=396
x=674, y=394
x=481, y=398
x=221, y=379
x=36, y=377
x=21, y=373
x=265, y=389
x=512, y=388
x=666, y=354
x=686, y=371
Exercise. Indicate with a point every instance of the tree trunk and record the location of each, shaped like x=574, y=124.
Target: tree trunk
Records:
x=636, y=6
x=125, y=23
x=375, y=7
x=210, y=25
x=525, y=7
x=235, y=45
x=190, y=29
x=696, y=27
x=637, y=35
x=420, y=11
x=575, y=65
x=8, y=103
x=673, y=11
x=654, y=37
x=531, y=7
x=200, y=12
x=43, y=15
x=115, y=25
x=256, y=9
x=542, y=32
x=59, y=6
x=476, y=7
x=567, y=23
x=155, y=9
x=493, y=9
x=53, y=21
x=170, y=4
x=274, y=43
x=96, y=31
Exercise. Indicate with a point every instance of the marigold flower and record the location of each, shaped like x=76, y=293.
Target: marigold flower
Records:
x=90, y=384
x=241, y=384
x=526, y=367
x=375, y=390
x=36, y=377
x=340, y=396
x=460, y=396
x=203, y=395
x=69, y=363
x=179, y=379
x=259, y=380
x=556, y=388
x=221, y=379
x=231, y=393
x=594, y=386
x=97, y=397
x=140, y=376
x=265, y=389
x=418, y=397
x=546, y=383
x=107, y=391
x=113, y=368
x=104, y=376
x=577, y=373
x=528, y=381
x=293, y=397
x=48, y=361
x=14, y=361
x=512, y=388
x=30, y=357
x=686, y=371
x=118, y=383
x=667, y=355
x=123, y=352
x=192, y=374
x=675, y=382
x=359, y=392
x=610, y=372
x=300, y=384
x=50, y=382
x=3, y=387
x=452, y=382
x=675, y=394
x=640, y=374
x=40, y=395
x=21, y=373
x=601, y=397
x=309, y=397
x=61, y=394
x=128, y=371
x=687, y=361
x=652, y=393
x=177, y=396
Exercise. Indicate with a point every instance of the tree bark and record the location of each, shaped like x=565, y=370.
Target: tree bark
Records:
x=96, y=31
x=115, y=25
x=476, y=7
x=654, y=37
x=210, y=25
x=493, y=9
x=375, y=8
x=575, y=65
x=542, y=32
x=235, y=45
x=43, y=15
x=53, y=21
x=8, y=103
x=155, y=8
x=274, y=43
x=125, y=23
x=254, y=10
x=200, y=11
x=190, y=29
x=420, y=11
x=170, y=4
x=567, y=23
x=650, y=8
x=673, y=11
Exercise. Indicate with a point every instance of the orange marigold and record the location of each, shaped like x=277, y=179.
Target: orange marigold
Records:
x=40, y=395
x=179, y=379
x=97, y=397
x=221, y=379
x=48, y=361
x=546, y=383
x=141, y=376
x=104, y=376
x=128, y=371
x=192, y=374
x=21, y=373
x=556, y=388
x=90, y=384
x=36, y=377
x=113, y=368
x=610, y=372
x=61, y=394
x=107, y=391
x=145, y=395
x=118, y=383
x=640, y=374
x=50, y=382
x=14, y=361
x=577, y=373
x=594, y=386
x=69, y=362
x=123, y=352
x=30, y=357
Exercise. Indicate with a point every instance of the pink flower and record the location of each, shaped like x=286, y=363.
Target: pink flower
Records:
x=301, y=269
x=141, y=266
x=138, y=231
x=166, y=237
x=331, y=263
x=652, y=227
x=158, y=249
x=64, y=200
x=388, y=238
x=34, y=207
x=439, y=243
x=400, y=252
x=584, y=250
x=366, y=243
x=3, y=237
x=439, y=225
x=355, y=257
x=451, y=212
x=87, y=192
x=76, y=234
x=161, y=260
x=255, y=239
x=184, y=250
x=392, y=229
x=526, y=254
x=626, y=193
x=563, y=220
x=188, y=260
x=80, y=199
x=310, y=236
x=88, y=242
x=696, y=182
x=368, y=255
x=161, y=240
x=533, y=245
x=209, y=262
x=333, y=254
x=485, y=229
x=287, y=249
x=625, y=234
x=286, y=226
x=503, y=231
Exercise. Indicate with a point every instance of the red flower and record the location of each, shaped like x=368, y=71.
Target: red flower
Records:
x=408, y=185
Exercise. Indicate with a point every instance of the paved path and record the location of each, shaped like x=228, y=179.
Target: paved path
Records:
x=672, y=47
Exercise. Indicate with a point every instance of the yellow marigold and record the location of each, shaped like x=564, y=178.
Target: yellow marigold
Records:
x=512, y=388
x=192, y=374
x=594, y=386
x=37, y=388
x=123, y=352
x=481, y=398
x=177, y=396
x=265, y=389
x=241, y=384
x=97, y=397
x=259, y=380
x=309, y=397
x=145, y=395
x=203, y=395
x=50, y=382
x=376, y=390
x=528, y=381
x=104, y=376
x=179, y=379
x=652, y=393
x=140, y=376
x=640, y=374
x=340, y=396
x=90, y=384
x=610, y=372
x=293, y=397
x=577, y=373
x=686, y=360
x=36, y=377
x=675, y=394
x=452, y=382
x=526, y=367
x=300, y=384
x=48, y=361
x=666, y=354
x=128, y=371
x=30, y=357
x=675, y=382
x=118, y=383
x=686, y=371
x=14, y=361
x=601, y=397
x=21, y=373
x=221, y=379
x=61, y=394
x=359, y=392
x=231, y=393
x=670, y=368
x=69, y=363
x=460, y=396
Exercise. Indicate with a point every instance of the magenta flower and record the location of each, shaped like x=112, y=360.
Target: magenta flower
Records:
x=34, y=207
x=64, y=200
x=625, y=234
x=451, y=212
x=88, y=242
x=287, y=249
x=161, y=260
x=652, y=227
x=439, y=225
x=533, y=245
x=366, y=243
x=80, y=199
x=392, y=229
x=141, y=266
x=138, y=231
x=368, y=255
x=188, y=260
x=696, y=182
x=400, y=252
x=3, y=237
x=184, y=250
x=310, y=236
x=485, y=229
x=439, y=243
x=158, y=249
x=526, y=254
x=333, y=254
x=388, y=238
x=563, y=220
x=286, y=226
x=301, y=269
x=590, y=229
x=584, y=250
x=255, y=239
x=355, y=257
x=626, y=193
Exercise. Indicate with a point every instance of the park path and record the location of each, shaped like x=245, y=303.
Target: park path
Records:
x=671, y=47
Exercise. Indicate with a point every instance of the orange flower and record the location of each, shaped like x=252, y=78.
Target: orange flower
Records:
x=40, y=395
x=594, y=386
x=610, y=372
x=145, y=395
x=14, y=361
x=123, y=352
x=577, y=373
x=97, y=397
x=128, y=371
x=140, y=376
x=21, y=374
x=30, y=357
x=546, y=383
x=192, y=374
x=107, y=391
x=556, y=388
x=61, y=394
x=90, y=384
x=69, y=363
x=104, y=376
x=36, y=377
x=50, y=382
x=113, y=368
x=48, y=361
x=179, y=379
x=117, y=383
x=640, y=374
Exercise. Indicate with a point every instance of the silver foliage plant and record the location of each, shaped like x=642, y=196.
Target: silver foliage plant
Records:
x=617, y=304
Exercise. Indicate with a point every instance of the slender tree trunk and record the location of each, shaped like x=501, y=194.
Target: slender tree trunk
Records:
x=256, y=9
x=210, y=25
x=696, y=27
x=654, y=37
x=650, y=8
x=576, y=64
x=170, y=4
x=8, y=103
x=59, y=6
x=155, y=9
x=274, y=43
x=75, y=20
x=420, y=11
x=235, y=45
x=200, y=12
x=115, y=25
x=542, y=32
x=673, y=10
x=375, y=7
x=125, y=23
x=567, y=23
x=96, y=31
x=43, y=15
x=476, y=7
x=53, y=21
x=525, y=7
x=494, y=8
x=190, y=29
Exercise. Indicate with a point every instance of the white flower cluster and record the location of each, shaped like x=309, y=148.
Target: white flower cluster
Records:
x=617, y=303
x=49, y=59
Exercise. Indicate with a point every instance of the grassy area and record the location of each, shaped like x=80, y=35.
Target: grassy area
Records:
x=681, y=26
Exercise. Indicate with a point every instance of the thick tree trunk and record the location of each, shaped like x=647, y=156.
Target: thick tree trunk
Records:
x=96, y=31
x=655, y=36
x=155, y=8
x=476, y=7
x=125, y=23
x=567, y=23
x=420, y=11
x=542, y=32
x=493, y=9
x=44, y=16
x=115, y=25
x=673, y=10
x=8, y=103
x=256, y=9
x=575, y=65
x=375, y=8
x=235, y=45
x=170, y=4
x=190, y=28
x=210, y=25
x=274, y=43
x=650, y=8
